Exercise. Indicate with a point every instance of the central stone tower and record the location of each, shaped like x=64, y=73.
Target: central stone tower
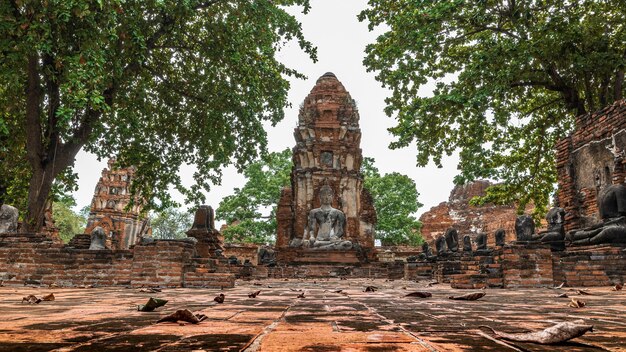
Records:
x=327, y=152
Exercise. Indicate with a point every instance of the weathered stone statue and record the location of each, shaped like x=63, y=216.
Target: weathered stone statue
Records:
x=326, y=224
x=426, y=251
x=481, y=242
x=467, y=243
x=452, y=240
x=524, y=228
x=267, y=256
x=555, y=235
x=204, y=232
x=500, y=237
x=612, y=229
x=8, y=218
x=440, y=245
x=98, y=239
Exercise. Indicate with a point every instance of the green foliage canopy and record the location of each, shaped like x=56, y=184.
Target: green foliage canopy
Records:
x=67, y=220
x=244, y=210
x=510, y=76
x=395, y=200
x=156, y=83
x=170, y=223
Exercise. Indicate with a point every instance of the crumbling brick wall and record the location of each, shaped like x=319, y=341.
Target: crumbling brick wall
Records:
x=468, y=219
x=588, y=160
x=36, y=258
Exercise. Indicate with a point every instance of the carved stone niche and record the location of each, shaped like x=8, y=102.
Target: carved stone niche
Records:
x=203, y=230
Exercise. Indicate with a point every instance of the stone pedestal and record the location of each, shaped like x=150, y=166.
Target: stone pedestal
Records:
x=307, y=256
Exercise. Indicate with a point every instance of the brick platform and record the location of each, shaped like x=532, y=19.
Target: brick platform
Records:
x=106, y=319
x=591, y=266
x=34, y=258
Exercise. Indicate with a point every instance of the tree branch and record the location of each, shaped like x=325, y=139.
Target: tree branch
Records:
x=545, y=84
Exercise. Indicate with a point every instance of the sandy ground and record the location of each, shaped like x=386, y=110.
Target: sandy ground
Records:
x=106, y=319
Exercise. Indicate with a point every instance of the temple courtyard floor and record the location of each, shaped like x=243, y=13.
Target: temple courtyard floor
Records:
x=326, y=319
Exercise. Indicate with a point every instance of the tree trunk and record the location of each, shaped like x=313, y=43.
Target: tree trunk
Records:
x=38, y=191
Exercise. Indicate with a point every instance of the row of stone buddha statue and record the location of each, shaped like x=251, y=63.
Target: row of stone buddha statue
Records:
x=610, y=229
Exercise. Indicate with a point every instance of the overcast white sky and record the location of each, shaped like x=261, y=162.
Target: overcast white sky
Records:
x=340, y=38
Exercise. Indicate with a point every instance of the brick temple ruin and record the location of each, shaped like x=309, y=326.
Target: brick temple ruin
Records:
x=109, y=210
x=326, y=223
x=467, y=219
x=327, y=152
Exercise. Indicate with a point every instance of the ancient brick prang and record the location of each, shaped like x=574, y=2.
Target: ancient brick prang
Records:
x=467, y=219
x=108, y=209
x=327, y=150
x=588, y=160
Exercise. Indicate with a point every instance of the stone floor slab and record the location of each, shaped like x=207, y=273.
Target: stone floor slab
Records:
x=334, y=315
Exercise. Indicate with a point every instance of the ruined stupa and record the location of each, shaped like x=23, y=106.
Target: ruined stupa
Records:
x=327, y=158
x=123, y=227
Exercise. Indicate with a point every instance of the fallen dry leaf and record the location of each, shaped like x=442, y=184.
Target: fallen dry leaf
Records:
x=560, y=286
x=183, y=315
x=31, y=299
x=49, y=297
x=469, y=296
x=574, y=303
x=220, y=298
x=617, y=287
x=254, y=294
x=562, y=295
x=371, y=289
x=420, y=294
x=152, y=304
x=558, y=333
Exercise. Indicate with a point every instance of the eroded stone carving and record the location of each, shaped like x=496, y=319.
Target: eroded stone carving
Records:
x=500, y=237
x=467, y=243
x=555, y=235
x=426, y=251
x=612, y=229
x=452, y=240
x=326, y=224
x=8, y=218
x=481, y=242
x=98, y=239
x=440, y=245
x=524, y=228
x=203, y=230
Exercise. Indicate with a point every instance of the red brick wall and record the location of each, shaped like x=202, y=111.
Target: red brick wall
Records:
x=601, y=265
x=35, y=258
x=585, y=165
